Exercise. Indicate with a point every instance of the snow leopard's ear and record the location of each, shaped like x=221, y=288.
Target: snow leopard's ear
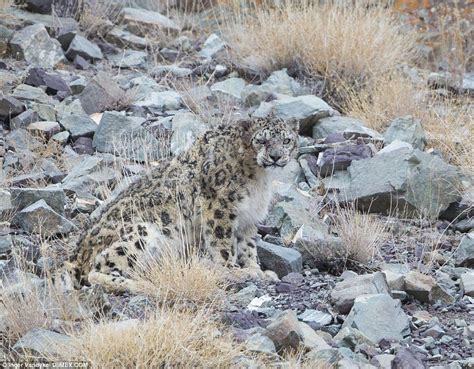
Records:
x=293, y=124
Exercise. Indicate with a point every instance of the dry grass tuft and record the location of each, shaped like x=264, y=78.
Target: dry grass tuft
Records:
x=177, y=278
x=346, y=44
x=169, y=339
x=362, y=234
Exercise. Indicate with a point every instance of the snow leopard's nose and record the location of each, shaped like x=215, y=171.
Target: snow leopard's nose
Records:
x=275, y=157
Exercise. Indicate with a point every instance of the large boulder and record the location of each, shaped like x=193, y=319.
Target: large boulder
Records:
x=111, y=129
x=285, y=331
x=307, y=109
x=406, y=129
x=467, y=283
x=404, y=180
x=186, y=128
x=464, y=254
x=78, y=125
x=42, y=219
x=142, y=22
x=81, y=46
x=344, y=293
x=10, y=107
x=230, y=88
x=347, y=126
x=34, y=45
x=40, y=343
x=281, y=260
x=425, y=288
x=53, y=196
x=340, y=158
x=378, y=317
x=102, y=93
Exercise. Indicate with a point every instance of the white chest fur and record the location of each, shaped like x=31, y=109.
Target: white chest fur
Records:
x=254, y=208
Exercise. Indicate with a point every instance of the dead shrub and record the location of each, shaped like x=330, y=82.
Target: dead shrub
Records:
x=362, y=234
x=348, y=44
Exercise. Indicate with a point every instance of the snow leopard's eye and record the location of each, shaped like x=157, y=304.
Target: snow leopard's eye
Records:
x=287, y=141
x=261, y=141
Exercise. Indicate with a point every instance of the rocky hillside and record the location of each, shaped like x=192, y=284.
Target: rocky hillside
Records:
x=371, y=231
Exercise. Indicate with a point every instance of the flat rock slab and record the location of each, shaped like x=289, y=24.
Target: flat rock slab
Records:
x=407, y=181
x=281, y=260
x=467, y=283
x=142, y=21
x=79, y=126
x=378, y=317
x=347, y=126
x=41, y=343
x=34, y=45
x=464, y=255
x=425, y=288
x=40, y=218
x=53, y=196
x=406, y=129
x=44, y=129
x=81, y=46
x=345, y=292
x=102, y=93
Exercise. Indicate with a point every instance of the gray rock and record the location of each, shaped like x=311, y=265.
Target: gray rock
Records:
x=348, y=127
x=307, y=109
x=406, y=129
x=125, y=39
x=83, y=47
x=54, y=83
x=311, y=340
x=464, y=254
x=285, y=331
x=78, y=85
x=395, y=276
x=278, y=82
x=142, y=22
x=261, y=344
x=408, y=181
x=10, y=107
x=41, y=343
x=78, y=126
x=44, y=129
x=424, y=288
x=112, y=128
x=87, y=173
x=61, y=138
x=467, y=284
x=317, y=317
x=34, y=45
x=24, y=119
x=44, y=111
x=341, y=157
x=383, y=361
x=351, y=338
x=170, y=70
x=68, y=107
x=161, y=101
x=378, y=317
x=406, y=358
x=231, y=87
x=212, y=46
x=344, y=293
x=281, y=260
x=186, y=127
x=29, y=93
x=40, y=218
x=101, y=94
x=53, y=196
x=129, y=59
x=6, y=244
